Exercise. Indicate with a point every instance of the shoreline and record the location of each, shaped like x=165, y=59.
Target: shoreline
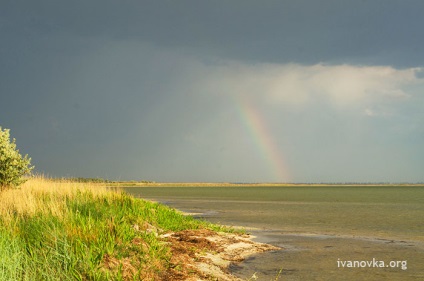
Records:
x=206, y=254
x=225, y=184
x=289, y=248
x=350, y=240
x=231, y=256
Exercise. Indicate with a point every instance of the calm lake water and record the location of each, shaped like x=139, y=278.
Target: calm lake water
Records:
x=320, y=228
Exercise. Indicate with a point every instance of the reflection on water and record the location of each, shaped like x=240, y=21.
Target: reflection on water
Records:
x=315, y=227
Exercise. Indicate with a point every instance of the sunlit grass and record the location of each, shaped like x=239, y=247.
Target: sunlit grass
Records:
x=43, y=196
x=63, y=230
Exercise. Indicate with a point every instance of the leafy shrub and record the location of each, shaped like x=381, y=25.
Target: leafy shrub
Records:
x=13, y=167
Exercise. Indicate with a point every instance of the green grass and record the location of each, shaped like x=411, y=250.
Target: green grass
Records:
x=55, y=234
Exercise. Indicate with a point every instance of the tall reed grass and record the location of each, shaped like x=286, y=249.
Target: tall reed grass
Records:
x=63, y=230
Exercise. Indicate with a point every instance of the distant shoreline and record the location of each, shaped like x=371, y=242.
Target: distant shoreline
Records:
x=212, y=184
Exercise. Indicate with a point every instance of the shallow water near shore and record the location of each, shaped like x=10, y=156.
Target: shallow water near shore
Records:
x=321, y=257
x=321, y=229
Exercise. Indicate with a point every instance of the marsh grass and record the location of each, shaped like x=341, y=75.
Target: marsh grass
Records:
x=63, y=230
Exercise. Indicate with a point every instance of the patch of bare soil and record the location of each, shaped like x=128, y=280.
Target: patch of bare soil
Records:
x=206, y=255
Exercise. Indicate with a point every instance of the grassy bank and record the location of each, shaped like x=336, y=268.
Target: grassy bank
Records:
x=52, y=230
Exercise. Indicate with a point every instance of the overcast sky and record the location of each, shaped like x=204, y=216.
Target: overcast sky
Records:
x=238, y=91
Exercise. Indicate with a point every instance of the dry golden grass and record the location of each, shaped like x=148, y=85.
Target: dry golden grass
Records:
x=40, y=195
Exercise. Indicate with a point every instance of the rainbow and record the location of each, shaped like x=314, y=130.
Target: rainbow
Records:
x=264, y=141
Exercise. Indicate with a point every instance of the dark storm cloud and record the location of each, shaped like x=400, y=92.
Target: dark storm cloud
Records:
x=149, y=89
x=377, y=32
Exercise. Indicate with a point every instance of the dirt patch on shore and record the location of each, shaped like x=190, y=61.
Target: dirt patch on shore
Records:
x=206, y=255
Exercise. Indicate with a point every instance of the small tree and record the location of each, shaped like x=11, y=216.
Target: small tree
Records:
x=13, y=167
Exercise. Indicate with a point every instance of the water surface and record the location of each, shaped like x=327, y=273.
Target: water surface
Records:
x=318, y=226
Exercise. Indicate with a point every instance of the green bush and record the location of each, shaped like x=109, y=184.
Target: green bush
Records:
x=13, y=167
